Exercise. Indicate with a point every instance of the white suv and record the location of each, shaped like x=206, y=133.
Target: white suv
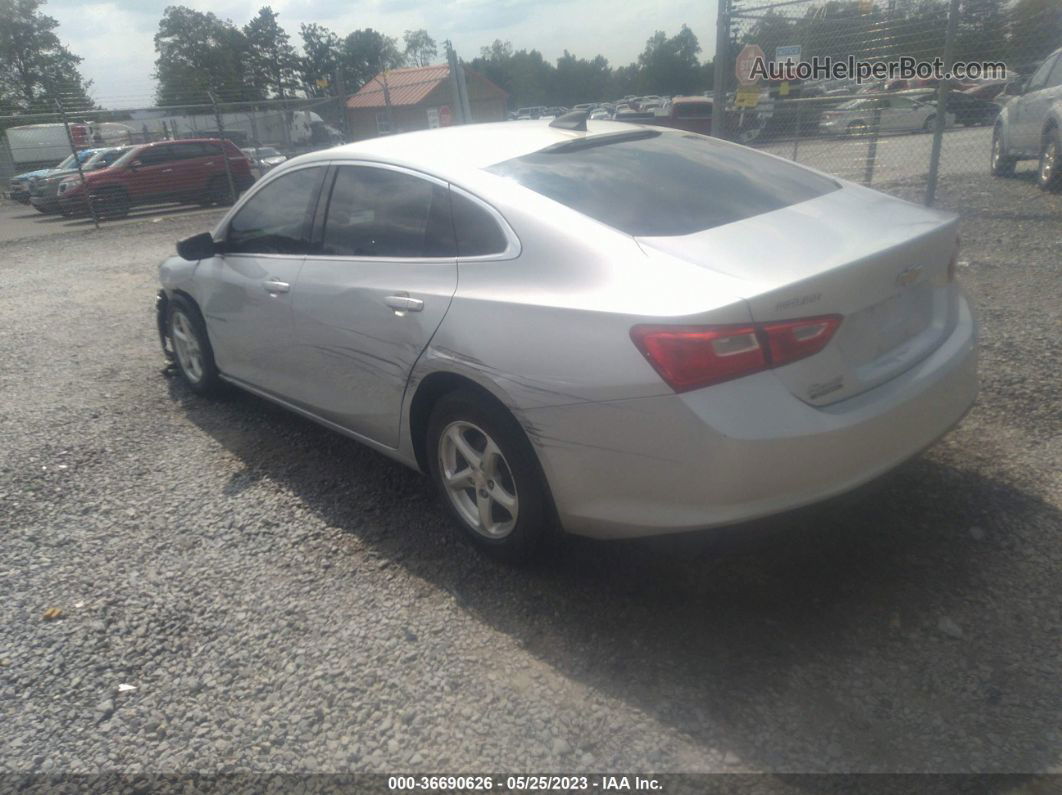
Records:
x=1029, y=126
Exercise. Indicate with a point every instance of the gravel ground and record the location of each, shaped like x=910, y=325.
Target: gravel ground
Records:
x=281, y=599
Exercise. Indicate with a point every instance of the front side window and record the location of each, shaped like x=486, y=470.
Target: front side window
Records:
x=375, y=212
x=276, y=219
x=1039, y=78
x=651, y=183
x=156, y=155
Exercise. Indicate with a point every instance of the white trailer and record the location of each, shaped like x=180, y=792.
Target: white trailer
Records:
x=256, y=126
x=33, y=144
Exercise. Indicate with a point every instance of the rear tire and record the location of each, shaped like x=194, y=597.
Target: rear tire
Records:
x=1050, y=167
x=191, y=346
x=1000, y=164
x=488, y=476
x=927, y=126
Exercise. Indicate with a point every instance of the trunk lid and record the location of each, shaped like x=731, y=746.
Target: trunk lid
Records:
x=879, y=262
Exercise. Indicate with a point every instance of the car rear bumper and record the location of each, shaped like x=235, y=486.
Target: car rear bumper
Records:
x=743, y=449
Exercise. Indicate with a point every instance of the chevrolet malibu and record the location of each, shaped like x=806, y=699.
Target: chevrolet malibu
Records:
x=613, y=329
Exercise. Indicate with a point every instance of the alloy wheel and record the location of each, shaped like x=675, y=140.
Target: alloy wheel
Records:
x=478, y=479
x=1048, y=162
x=186, y=346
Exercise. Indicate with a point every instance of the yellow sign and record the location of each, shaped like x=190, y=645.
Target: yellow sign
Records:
x=783, y=88
x=747, y=98
x=322, y=83
x=866, y=6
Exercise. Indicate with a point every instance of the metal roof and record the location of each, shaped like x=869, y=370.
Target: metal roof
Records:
x=409, y=86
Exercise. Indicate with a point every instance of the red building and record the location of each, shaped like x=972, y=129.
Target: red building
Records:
x=419, y=98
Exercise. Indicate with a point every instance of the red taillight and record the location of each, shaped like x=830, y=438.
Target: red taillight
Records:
x=690, y=357
x=790, y=340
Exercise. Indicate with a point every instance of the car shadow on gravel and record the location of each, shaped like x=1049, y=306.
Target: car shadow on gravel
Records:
x=911, y=629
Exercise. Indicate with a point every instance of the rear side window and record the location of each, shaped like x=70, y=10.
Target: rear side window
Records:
x=276, y=219
x=650, y=183
x=477, y=233
x=376, y=212
x=155, y=155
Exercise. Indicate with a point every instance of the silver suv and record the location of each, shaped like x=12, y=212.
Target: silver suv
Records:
x=1029, y=125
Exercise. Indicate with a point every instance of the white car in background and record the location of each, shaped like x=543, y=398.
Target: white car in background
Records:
x=898, y=114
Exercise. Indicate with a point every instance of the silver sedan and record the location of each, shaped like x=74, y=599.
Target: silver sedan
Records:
x=617, y=331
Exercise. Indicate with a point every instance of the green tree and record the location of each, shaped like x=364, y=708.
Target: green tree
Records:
x=35, y=68
x=578, y=80
x=199, y=54
x=366, y=53
x=1035, y=31
x=318, y=67
x=270, y=62
x=670, y=65
x=420, y=48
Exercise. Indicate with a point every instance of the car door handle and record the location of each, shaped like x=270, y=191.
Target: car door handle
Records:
x=403, y=303
x=273, y=286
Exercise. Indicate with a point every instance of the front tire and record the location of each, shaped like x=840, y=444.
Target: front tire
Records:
x=487, y=476
x=1050, y=170
x=1000, y=164
x=191, y=347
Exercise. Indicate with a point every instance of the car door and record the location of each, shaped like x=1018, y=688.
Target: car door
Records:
x=372, y=294
x=189, y=170
x=150, y=174
x=1026, y=111
x=1040, y=103
x=246, y=291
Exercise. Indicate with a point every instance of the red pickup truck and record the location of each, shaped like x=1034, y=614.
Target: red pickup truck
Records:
x=190, y=170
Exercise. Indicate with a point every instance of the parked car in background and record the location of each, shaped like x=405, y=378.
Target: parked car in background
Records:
x=20, y=185
x=1030, y=125
x=897, y=114
x=988, y=90
x=763, y=336
x=189, y=170
x=968, y=111
x=44, y=192
x=263, y=158
x=694, y=114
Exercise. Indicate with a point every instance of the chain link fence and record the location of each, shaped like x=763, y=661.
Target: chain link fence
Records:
x=59, y=163
x=888, y=133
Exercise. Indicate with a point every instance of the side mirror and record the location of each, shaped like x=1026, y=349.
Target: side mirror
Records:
x=197, y=247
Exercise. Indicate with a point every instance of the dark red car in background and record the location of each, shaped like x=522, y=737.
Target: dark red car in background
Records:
x=190, y=170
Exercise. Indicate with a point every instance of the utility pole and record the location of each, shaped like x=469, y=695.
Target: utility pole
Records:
x=722, y=40
x=455, y=85
x=942, y=96
x=77, y=162
x=224, y=150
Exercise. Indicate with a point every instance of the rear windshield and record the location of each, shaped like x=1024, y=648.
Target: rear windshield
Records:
x=646, y=183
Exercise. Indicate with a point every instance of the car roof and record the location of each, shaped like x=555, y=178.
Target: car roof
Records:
x=455, y=150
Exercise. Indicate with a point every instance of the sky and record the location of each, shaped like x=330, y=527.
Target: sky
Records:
x=116, y=38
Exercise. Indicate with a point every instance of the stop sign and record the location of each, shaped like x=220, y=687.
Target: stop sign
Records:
x=445, y=117
x=745, y=61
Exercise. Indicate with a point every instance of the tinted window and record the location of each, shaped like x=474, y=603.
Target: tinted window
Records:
x=1055, y=79
x=651, y=183
x=184, y=151
x=1039, y=78
x=477, y=233
x=375, y=212
x=276, y=219
x=155, y=155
